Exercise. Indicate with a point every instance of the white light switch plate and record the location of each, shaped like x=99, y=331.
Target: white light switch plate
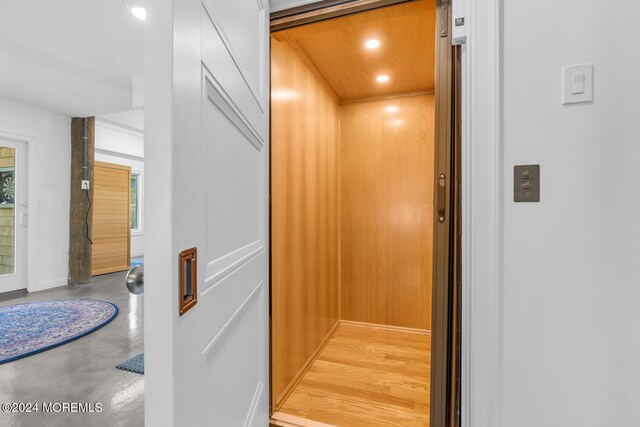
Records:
x=577, y=84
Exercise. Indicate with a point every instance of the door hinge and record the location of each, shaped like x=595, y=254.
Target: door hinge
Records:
x=443, y=17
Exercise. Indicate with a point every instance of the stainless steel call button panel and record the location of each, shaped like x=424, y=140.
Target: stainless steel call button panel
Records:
x=526, y=183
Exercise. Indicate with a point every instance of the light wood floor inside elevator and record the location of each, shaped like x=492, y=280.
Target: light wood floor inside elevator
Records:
x=365, y=376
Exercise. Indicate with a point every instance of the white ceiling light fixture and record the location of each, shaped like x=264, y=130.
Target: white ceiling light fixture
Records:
x=138, y=11
x=383, y=78
x=372, y=44
x=391, y=109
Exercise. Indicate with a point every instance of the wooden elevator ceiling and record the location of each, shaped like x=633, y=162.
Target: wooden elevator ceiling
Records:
x=336, y=48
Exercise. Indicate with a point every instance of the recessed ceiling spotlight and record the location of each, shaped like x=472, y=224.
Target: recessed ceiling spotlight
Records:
x=383, y=78
x=372, y=44
x=391, y=109
x=138, y=11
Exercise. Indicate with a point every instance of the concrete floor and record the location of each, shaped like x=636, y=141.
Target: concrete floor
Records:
x=83, y=370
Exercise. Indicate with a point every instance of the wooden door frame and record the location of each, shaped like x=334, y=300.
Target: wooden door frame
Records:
x=445, y=399
x=32, y=203
x=482, y=263
x=444, y=353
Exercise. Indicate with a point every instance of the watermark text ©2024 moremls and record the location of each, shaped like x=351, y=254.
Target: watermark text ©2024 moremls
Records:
x=52, y=407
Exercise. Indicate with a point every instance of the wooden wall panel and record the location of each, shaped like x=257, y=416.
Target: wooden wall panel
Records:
x=387, y=150
x=111, y=227
x=304, y=214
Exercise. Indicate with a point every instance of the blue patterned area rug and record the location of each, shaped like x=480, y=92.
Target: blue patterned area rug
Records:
x=135, y=364
x=31, y=328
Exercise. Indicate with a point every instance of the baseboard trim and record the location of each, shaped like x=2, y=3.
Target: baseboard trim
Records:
x=294, y=383
x=386, y=327
x=9, y=295
x=281, y=419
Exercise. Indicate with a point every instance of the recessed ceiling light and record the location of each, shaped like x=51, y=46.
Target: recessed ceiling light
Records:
x=138, y=11
x=382, y=78
x=372, y=44
x=391, y=109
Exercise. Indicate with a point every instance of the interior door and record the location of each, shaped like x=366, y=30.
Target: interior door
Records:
x=111, y=226
x=13, y=215
x=206, y=164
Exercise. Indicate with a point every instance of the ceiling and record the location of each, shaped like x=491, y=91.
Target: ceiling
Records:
x=132, y=120
x=75, y=57
x=406, y=53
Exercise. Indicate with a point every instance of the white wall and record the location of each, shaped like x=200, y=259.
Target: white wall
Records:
x=571, y=302
x=49, y=165
x=123, y=147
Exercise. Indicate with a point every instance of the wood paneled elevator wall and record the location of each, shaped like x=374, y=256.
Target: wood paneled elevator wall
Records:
x=351, y=184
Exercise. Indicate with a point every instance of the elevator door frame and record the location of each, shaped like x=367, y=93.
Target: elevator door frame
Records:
x=445, y=330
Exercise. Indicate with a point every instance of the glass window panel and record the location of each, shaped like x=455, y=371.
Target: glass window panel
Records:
x=7, y=211
x=133, y=205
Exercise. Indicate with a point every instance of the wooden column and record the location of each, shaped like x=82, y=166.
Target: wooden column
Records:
x=80, y=216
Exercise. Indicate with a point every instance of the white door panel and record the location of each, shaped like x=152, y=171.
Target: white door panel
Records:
x=233, y=299
x=233, y=213
x=222, y=299
x=208, y=133
x=234, y=81
x=241, y=26
x=233, y=370
x=233, y=312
